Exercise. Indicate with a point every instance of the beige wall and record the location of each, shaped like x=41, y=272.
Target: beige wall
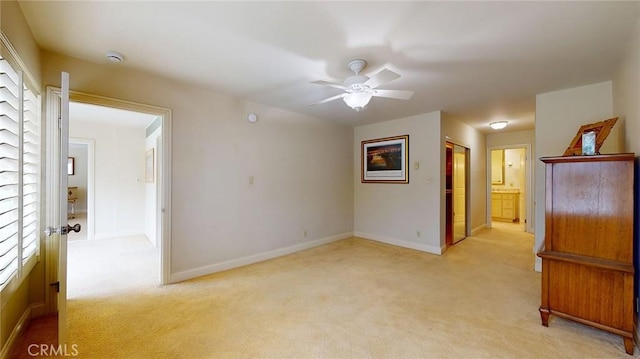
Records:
x=394, y=213
x=559, y=115
x=119, y=182
x=15, y=27
x=30, y=293
x=511, y=138
x=626, y=92
x=302, y=177
x=466, y=136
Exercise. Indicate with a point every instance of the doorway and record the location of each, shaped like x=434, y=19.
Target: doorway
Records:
x=456, y=193
x=57, y=128
x=509, y=188
x=120, y=198
x=81, y=154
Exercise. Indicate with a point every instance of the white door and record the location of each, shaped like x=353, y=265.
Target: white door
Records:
x=57, y=226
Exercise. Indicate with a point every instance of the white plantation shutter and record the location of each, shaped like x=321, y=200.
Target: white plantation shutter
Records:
x=31, y=173
x=19, y=172
x=9, y=170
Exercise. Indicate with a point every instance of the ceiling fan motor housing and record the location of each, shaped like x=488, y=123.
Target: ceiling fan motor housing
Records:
x=355, y=83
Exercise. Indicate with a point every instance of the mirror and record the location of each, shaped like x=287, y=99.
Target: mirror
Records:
x=497, y=166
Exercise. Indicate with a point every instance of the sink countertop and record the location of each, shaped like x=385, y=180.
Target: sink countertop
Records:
x=506, y=191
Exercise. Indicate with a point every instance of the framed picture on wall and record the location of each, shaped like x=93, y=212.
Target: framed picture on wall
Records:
x=149, y=167
x=385, y=160
x=71, y=166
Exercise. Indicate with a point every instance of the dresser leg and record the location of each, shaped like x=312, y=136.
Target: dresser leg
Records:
x=544, y=315
x=628, y=345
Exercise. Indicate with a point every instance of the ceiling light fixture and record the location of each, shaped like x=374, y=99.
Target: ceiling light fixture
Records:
x=499, y=125
x=357, y=100
x=114, y=56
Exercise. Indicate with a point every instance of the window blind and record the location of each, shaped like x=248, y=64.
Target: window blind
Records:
x=19, y=172
x=30, y=172
x=9, y=170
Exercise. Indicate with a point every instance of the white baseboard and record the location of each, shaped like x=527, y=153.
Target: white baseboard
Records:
x=401, y=243
x=478, y=229
x=38, y=310
x=234, y=263
x=538, y=264
x=17, y=330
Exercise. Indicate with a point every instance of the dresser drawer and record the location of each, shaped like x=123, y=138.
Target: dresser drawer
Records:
x=507, y=213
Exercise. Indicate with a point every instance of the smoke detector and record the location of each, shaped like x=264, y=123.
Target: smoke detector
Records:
x=114, y=56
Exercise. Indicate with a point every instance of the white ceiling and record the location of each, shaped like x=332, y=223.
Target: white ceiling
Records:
x=80, y=112
x=479, y=61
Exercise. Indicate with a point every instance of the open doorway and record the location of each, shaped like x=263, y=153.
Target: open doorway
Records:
x=509, y=188
x=80, y=181
x=114, y=183
x=456, y=193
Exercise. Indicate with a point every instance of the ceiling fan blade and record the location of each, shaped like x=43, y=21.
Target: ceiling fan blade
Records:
x=332, y=84
x=397, y=94
x=332, y=98
x=381, y=77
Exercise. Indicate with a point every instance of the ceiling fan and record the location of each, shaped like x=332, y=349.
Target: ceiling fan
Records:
x=359, y=89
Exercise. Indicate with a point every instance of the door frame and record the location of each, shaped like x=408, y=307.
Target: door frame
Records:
x=164, y=208
x=529, y=227
x=467, y=183
x=90, y=143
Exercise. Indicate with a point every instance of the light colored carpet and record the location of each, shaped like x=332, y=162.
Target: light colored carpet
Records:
x=349, y=299
x=107, y=267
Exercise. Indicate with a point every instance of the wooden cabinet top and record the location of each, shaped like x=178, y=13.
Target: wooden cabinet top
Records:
x=609, y=157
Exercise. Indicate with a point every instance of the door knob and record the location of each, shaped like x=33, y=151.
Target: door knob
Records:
x=76, y=228
x=49, y=231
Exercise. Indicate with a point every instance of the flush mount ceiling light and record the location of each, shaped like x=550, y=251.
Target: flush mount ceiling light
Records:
x=498, y=125
x=114, y=56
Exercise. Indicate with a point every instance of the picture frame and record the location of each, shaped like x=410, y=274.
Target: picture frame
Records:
x=71, y=166
x=149, y=166
x=385, y=160
x=601, y=129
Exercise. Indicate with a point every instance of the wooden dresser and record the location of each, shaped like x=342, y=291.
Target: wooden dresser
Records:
x=587, y=260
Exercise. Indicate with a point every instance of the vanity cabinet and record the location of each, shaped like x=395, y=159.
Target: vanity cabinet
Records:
x=587, y=260
x=505, y=206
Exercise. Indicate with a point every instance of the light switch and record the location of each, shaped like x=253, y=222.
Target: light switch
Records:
x=416, y=165
x=250, y=179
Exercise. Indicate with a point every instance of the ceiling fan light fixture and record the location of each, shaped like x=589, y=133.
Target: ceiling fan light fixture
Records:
x=357, y=100
x=498, y=125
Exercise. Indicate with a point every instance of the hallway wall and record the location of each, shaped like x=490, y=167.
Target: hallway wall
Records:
x=119, y=177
